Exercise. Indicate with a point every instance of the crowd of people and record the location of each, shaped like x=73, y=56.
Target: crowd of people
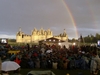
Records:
x=46, y=56
x=54, y=57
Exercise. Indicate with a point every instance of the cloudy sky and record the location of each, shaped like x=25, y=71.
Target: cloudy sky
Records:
x=76, y=16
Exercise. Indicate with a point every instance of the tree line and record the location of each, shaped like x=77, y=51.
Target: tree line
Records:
x=87, y=39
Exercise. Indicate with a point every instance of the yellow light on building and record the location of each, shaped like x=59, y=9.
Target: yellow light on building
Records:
x=49, y=40
x=54, y=40
x=74, y=43
x=59, y=43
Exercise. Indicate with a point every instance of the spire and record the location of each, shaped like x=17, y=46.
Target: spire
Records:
x=41, y=28
x=64, y=30
x=35, y=29
x=19, y=32
x=20, y=29
x=64, y=33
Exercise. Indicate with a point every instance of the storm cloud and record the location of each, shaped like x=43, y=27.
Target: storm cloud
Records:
x=49, y=14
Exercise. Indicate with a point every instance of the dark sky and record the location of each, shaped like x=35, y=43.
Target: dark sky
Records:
x=76, y=16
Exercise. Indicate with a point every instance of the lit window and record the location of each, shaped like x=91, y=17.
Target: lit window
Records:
x=54, y=40
x=49, y=40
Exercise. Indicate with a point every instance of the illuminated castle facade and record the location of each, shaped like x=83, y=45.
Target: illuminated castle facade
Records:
x=38, y=35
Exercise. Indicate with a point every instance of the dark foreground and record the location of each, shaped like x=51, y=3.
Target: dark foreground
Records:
x=58, y=72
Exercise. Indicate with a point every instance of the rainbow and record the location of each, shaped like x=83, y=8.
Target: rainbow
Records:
x=71, y=17
x=92, y=13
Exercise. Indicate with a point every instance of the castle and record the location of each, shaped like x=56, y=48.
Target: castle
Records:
x=38, y=35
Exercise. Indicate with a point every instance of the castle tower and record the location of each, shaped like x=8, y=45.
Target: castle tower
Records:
x=34, y=36
x=49, y=33
x=64, y=36
x=42, y=35
x=19, y=36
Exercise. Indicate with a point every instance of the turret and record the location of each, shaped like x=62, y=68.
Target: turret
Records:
x=64, y=33
x=19, y=36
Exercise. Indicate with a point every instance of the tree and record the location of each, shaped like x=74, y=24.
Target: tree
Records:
x=97, y=36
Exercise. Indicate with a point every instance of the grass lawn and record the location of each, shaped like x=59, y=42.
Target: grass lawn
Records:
x=58, y=72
